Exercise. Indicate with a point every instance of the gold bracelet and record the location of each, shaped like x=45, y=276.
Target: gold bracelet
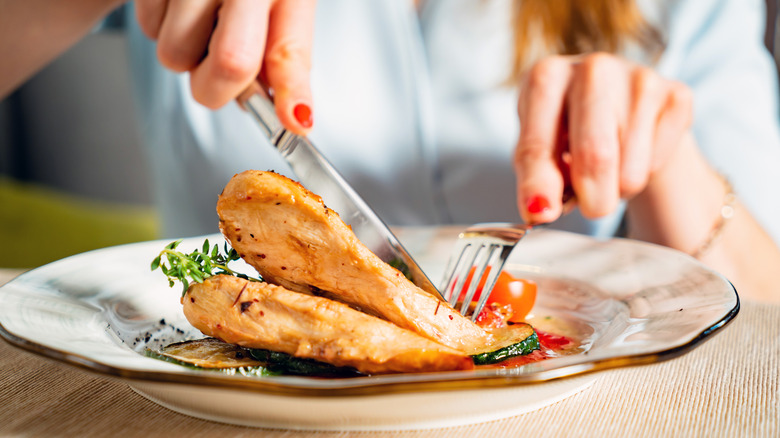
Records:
x=726, y=213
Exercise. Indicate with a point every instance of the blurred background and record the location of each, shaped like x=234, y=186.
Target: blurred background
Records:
x=73, y=176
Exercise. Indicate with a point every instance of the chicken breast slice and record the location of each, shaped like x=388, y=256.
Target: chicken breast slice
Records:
x=261, y=315
x=292, y=239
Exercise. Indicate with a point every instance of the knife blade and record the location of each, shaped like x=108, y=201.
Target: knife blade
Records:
x=317, y=174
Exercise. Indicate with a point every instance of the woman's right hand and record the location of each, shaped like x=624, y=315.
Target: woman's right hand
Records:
x=225, y=45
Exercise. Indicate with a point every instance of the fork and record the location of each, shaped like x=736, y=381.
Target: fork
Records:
x=485, y=248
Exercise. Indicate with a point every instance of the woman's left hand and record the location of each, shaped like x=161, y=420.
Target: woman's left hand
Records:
x=595, y=125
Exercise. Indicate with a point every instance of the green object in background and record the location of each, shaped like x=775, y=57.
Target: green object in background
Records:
x=40, y=225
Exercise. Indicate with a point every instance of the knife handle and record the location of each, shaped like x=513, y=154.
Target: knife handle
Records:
x=255, y=100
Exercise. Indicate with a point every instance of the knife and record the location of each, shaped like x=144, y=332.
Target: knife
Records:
x=316, y=173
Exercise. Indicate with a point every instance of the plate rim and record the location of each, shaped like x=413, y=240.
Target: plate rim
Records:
x=430, y=382
x=361, y=386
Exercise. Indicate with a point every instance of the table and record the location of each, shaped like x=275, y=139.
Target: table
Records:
x=730, y=386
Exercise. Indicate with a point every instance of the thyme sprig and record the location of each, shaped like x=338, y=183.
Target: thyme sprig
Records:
x=197, y=265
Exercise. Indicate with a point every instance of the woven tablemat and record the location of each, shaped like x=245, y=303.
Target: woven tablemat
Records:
x=726, y=387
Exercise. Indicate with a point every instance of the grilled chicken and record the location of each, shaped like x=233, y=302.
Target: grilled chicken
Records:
x=261, y=315
x=292, y=239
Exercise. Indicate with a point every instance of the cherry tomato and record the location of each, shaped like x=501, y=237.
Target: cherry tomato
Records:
x=509, y=290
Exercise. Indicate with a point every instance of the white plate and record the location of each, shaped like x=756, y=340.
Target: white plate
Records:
x=627, y=303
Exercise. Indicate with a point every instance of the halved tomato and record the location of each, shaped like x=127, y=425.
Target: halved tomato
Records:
x=518, y=293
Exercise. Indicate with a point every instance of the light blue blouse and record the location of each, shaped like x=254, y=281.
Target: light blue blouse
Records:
x=413, y=108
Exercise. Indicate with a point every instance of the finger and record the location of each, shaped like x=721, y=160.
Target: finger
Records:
x=185, y=32
x=540, y=109
x=636, y=146
x=287, y=62
x=593, y=136
x=149, y=14
x=675, y=119
x=235, y=52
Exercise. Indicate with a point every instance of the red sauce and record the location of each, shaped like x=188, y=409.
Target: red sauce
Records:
x=495, y=315
x=552, y=345
x=554, y=342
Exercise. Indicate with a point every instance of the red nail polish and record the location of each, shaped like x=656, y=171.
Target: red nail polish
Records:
x=302, y=113
x=537, y=204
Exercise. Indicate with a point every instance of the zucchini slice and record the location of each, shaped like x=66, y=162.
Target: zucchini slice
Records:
x=212, y=354
x=215, y=354
x=522, y=348
x=284, y=363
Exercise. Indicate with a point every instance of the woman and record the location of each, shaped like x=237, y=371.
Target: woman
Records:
x=654, y=106
x=417, y=108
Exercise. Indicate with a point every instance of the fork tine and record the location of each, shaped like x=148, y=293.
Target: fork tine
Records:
x=452, y=268
x=482, y=247
x=495, y=266
x=479, y=264
x=456, y=277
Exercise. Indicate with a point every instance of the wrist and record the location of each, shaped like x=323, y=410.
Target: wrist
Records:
x=727, y=211
x=683, y=204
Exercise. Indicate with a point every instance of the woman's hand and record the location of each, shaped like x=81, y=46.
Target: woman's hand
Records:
x=225, y=45
x=35, y=32
x=595, y=125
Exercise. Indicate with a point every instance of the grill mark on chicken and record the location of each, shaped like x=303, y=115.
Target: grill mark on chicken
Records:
x=311, y=327
x=309, y=249
x=238, y=297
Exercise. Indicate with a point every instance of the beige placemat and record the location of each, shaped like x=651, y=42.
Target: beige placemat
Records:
x=7, y=275
x=726, y=387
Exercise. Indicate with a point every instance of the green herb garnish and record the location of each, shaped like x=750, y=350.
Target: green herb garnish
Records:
x=197, y=265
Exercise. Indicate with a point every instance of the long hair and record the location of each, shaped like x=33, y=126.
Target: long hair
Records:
x=571, y=27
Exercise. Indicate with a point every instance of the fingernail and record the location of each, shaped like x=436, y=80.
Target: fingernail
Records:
x=302, y=113
x=537, y=204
